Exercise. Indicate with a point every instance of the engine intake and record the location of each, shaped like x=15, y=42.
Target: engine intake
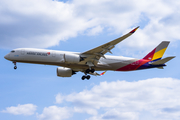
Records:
x=65, y=72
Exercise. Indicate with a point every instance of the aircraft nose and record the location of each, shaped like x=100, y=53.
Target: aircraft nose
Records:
x=6, y=56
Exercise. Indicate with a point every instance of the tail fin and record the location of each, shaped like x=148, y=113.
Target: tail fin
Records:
x=158, y=52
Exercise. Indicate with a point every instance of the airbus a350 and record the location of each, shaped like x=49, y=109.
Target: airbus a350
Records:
x=91, y=61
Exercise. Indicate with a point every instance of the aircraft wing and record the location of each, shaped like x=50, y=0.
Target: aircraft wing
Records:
x=91, y=57
x=96, y=74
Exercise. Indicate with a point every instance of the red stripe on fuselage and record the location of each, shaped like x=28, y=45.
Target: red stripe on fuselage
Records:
x=133, y=66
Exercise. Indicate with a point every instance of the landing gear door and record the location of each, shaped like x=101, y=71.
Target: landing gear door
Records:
x=22, y=52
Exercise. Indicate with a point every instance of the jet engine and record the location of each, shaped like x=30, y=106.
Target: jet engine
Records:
x=72, y=58
x=65, y=72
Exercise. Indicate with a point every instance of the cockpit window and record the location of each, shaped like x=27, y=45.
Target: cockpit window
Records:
x=12, y=51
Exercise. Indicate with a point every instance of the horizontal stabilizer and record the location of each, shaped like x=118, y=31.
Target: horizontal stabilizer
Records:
x=162, y=61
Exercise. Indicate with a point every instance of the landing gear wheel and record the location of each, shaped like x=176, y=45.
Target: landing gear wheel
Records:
x=92, y=70
x=15, y=67
x=88, y=70
x=88, y=77
x=83, y=77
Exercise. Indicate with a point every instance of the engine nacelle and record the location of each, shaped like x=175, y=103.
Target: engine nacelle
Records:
x=72, y=58
x=64, y=72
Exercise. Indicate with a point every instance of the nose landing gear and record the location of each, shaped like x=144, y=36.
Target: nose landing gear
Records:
x=15, y=67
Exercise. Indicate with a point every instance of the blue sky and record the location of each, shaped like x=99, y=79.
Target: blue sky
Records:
x=34, y=92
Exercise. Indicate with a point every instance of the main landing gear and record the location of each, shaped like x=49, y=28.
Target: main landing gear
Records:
x=90, y=70
x=15, y=67
x=87, y=76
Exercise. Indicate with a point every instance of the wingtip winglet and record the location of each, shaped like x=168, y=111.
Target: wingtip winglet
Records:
x=103, y=73
x=134, y=30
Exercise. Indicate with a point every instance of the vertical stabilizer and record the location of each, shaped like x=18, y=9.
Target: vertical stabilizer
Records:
x=158, y=52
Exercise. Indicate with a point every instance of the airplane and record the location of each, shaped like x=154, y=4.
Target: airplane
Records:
x=92, y=60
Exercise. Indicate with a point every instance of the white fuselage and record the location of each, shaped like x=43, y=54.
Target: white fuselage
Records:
x=60, y=58
x=90, y=61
